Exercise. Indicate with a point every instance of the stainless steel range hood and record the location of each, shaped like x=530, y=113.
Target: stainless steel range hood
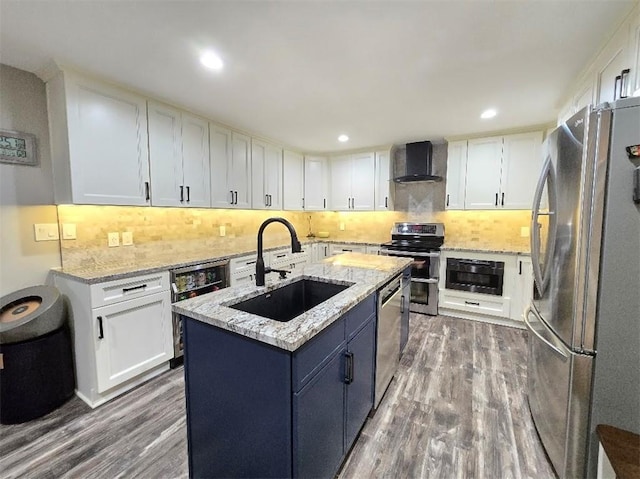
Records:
x=419, y=163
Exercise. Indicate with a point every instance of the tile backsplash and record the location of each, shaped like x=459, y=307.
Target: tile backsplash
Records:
x=192, y=233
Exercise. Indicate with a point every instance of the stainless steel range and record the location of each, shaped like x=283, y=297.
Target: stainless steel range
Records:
x=420, y=241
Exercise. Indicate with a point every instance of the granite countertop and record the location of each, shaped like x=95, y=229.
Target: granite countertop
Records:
x=484, y=250
x=365, y=273
x=99, y=273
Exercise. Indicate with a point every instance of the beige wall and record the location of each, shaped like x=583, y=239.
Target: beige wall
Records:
x=26, y=192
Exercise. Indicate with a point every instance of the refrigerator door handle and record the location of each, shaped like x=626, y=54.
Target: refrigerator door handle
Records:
x=538, y=335
x=540, y=277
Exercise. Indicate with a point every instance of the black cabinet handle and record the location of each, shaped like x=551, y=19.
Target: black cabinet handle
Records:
x=324, y=203
x=520, y=267
x=623, y=82
x=266, y=200
x=147, y=192
x=133, y=288
x=270, y=200
x=447, y=200
x=188, y=194
x=386, y=202
x=181, y=193
x=402, y=304
x=496, y=199
x=348, y=376
x=472, y=303
x=231, y=202
x=617, y=84
x=502, y=199
x=302, y=203
x=100, y=330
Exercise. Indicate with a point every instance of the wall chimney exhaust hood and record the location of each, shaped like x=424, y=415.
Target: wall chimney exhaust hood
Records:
x=419, y=163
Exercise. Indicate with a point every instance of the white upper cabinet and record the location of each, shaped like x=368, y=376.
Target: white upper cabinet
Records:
x=383, y=178
x=456, y=175
x=634, y=50
x=99, y=142
x=353, y=182
x=501, y=172
x=521, y=166
x=316, y=183
x=609, y=64
x=230, y=154
x=179, y=157
x=293, y=181
x=484, y=161
x=266, y=173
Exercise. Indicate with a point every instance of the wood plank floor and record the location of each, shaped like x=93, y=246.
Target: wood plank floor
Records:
x=457, y=408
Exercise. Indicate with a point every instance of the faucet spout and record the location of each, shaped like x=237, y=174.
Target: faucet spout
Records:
x=295, y=246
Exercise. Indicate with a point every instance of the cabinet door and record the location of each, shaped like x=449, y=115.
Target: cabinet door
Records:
x=609, y=64
x=165, y=154
x=132, y=337
x=240, y=173
x=108, y=144
x=273, y=177
x=318, y=423
x=340, y=182
x=195, y=161
x=383, y=181
x=363, y=178
x=220, y=153
x=521, y=165
x=456, y=175
x=359, y=400
x=484, y=159
x=523, y=293
x=315, y=183
x=258, y=159
x=293, y=181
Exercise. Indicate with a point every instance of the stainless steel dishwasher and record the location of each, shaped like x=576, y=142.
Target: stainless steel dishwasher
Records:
x=390, y=306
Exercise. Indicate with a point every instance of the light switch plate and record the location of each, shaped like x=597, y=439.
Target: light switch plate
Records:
x=223, y=230
x=341, y=226
x=114, y=239
x=127, y=238
x=46, y=231
x=68, y=231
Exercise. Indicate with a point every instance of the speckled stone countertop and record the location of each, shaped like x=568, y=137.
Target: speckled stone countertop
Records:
x=484, y=250
x=101, y=273
x=365, y=273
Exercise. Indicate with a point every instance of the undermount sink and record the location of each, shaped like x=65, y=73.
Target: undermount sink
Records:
x=285, y=303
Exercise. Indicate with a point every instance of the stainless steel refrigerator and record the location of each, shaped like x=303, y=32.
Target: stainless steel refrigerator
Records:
x=584, y=320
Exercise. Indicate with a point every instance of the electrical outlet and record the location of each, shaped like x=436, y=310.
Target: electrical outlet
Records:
x=223, y=230
x=342, y=226
x=127, y=238
x=68, y=231
x=114, y=239
x=46, y=231
x=524, y=231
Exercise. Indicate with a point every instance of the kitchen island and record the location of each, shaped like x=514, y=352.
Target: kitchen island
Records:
x=282, y=399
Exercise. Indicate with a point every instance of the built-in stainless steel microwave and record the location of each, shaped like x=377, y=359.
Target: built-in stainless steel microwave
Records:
x=474, y=275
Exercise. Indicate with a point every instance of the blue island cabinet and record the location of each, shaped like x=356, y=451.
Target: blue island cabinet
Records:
x=254, y=410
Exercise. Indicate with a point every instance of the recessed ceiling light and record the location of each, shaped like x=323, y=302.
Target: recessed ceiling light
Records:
x=490, y=113
x=343, y=138
x=211, y=60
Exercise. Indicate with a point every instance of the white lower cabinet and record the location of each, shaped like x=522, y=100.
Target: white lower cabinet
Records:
x=339, y=248
x=130, y=338
x=122, y=333
x=372, y=249
x=243, y=269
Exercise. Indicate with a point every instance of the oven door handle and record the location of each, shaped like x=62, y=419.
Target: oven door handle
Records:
x=392, y=252
x=422, y=280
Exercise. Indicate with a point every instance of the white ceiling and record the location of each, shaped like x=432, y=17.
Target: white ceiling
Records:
x=302, y=72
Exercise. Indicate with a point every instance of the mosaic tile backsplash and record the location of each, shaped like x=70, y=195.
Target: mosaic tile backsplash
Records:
x=193, y=233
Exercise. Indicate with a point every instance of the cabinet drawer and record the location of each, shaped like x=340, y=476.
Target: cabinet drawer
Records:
x=244, y=263
x=474, y=303
x=111, y=292
x=359, y=315
x=311, y=357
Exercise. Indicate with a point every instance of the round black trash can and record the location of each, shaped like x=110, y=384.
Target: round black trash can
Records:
x=36, y=362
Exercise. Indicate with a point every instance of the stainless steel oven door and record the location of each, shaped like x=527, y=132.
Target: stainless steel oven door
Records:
x=424, y=296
